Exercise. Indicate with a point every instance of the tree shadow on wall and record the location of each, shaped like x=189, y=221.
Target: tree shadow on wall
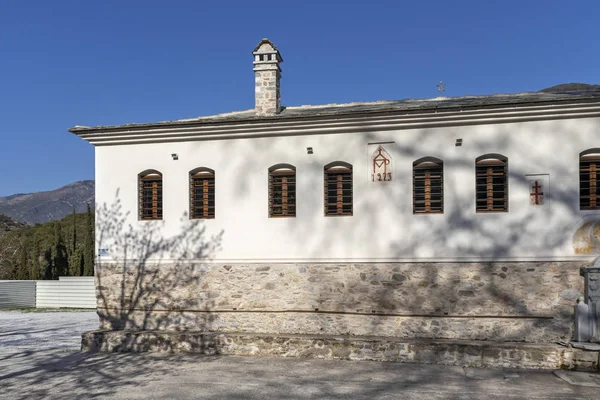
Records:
x=508, y=301
x=148, y=281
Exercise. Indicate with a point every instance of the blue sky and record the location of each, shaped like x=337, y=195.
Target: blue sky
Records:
x=66, y=63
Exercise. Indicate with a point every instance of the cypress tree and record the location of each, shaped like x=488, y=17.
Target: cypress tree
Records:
x=74, y=246
x=73, y=250
x=88, y=248
x=81, y=263
x=39, y=260
x=35, y=257
x=61, y=263
x=31, y=261
x=47, y=265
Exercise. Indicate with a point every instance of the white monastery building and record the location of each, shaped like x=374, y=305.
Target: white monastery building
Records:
x=453, y=217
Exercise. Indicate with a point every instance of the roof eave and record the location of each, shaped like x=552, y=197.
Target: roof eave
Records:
x=433, y=108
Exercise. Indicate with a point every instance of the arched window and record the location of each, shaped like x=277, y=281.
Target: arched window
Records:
x=202, y=193
x=589, y=180
x=428, y=186
x=150, y=195
x=338, y=189
x=491, y=185
x=282, y=191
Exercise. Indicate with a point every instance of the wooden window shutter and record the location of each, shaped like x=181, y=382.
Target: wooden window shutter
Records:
x=338, y=190
x=491, y=184
x=589, y=182
x=282, y=191
x=150, y=196
x=428, y=186
x=202, y=194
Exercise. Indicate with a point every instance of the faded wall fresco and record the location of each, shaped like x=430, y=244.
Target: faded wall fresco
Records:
x=586, y=239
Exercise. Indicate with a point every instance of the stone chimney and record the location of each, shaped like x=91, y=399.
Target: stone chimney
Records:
x=267, y=74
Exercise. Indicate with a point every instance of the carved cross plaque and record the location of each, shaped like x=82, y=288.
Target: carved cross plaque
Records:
x=539, y=188
x=381, y=168
x=536, y=193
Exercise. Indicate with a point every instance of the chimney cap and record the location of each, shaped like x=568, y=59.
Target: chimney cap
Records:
x=265, y=46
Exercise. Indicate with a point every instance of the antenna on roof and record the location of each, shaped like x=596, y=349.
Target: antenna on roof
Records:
x=441, y=88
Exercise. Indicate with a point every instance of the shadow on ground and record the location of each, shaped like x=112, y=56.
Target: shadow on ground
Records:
x=29, y=375
x=56, y=374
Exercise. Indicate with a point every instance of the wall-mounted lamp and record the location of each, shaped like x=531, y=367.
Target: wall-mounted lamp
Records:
x=309, y=150
x=175, y=156
x=458, y=142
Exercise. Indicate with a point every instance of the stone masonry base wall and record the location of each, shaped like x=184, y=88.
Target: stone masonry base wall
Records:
x=508, y=301
x=480, y=354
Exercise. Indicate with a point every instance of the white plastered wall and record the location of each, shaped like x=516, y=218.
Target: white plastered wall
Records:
x=383, y=227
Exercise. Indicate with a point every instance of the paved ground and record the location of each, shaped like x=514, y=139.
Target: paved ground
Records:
x=55, y=370
x=37, y=331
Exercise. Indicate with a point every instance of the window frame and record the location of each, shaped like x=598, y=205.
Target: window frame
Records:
x=156, y=196
x=286, y=171
x=592, y=157
x=338, y=169
x=428, y=165
x=491, y=161
x=206, y=174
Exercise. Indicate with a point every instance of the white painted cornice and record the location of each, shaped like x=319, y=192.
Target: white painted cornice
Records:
x=584, y=259
x=331, y=124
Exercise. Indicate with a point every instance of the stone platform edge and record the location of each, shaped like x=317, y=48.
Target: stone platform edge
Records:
x=466, y=353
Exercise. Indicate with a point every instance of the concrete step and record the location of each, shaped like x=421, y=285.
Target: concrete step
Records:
x=478, y=354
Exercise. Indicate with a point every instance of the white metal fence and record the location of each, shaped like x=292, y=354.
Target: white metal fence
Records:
x=17, y=294
x=71, y=291
x=68, y=291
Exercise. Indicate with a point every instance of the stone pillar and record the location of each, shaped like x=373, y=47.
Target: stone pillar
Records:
x=591, y=276
x=267, y=74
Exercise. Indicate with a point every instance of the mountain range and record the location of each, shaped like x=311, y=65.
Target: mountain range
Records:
x=40, y=207
x=571, y=87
